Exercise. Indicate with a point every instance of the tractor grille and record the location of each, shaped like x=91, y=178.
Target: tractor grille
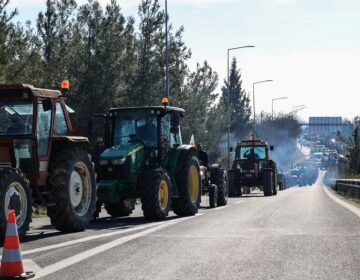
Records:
x=115, y=172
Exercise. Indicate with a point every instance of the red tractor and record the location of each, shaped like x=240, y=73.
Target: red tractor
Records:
x=42, y=160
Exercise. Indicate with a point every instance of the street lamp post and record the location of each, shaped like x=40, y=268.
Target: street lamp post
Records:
x=259, y=82
x=228, y=97
x=272, y=116
x=167, y=52
x=296, y=109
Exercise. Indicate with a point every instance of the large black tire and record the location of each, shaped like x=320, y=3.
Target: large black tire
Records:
x=123, y=208
x=155, y=194
x=268, y=182
x=281, y=188
x=213, y=196
x=188, y=182
x=274, y=185
x=231, y=182
x=220, y=179
x=73, y=189
x=233, y=189
x=15, y=194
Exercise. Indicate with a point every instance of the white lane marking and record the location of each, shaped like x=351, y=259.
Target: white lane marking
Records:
x=219, y=208
x=240, y=201
x=102, y=248
x=85, y=239
x=348, y=206
x=30, y=265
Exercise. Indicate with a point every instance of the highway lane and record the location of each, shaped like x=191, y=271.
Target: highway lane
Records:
x=299, y=234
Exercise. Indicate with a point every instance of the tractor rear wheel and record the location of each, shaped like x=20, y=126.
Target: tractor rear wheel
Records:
x=268, y=182
x=73, y=188
x=156, y=193
x=188, y=182
x=234, y=189
x=274, y=188
x=220, y=179
x=213, y=196
x=15, y=194
x=123, y=208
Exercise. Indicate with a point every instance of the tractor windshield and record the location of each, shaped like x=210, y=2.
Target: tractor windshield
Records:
x=136, y=126
x=16, y=117
x=252, y=153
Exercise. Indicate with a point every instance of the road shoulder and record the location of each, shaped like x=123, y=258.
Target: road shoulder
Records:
x=353, y=207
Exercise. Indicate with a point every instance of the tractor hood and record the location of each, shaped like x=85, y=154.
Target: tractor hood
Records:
x=121, y=151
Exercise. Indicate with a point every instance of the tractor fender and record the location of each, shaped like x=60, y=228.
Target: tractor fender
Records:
x=70, y=141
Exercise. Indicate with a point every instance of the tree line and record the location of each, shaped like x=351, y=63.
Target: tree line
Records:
x=113, y=61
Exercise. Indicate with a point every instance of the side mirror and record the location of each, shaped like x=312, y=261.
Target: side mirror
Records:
x=175, y=120
x=46, y=104
x=175, y=130
x=231, y=149
x=271, y=148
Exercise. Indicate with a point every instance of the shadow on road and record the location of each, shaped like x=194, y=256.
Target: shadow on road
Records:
x=102, y=223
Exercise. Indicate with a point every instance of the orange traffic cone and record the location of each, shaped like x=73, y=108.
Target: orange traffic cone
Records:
x=11, y=262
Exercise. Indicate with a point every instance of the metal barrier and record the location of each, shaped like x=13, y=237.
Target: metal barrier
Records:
x=350, y=187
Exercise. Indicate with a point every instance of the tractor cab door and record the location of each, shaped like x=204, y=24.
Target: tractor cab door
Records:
x=17, y=143
x=43, y=132
x=170, y=136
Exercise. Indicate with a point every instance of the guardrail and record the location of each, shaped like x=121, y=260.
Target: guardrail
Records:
x=350, y=187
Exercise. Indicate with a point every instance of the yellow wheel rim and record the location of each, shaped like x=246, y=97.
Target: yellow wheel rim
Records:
x=193, y=184
x=163, y=195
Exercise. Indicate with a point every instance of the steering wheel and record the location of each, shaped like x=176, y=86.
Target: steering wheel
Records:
x=134, y=139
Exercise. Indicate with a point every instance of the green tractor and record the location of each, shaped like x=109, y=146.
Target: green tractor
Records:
x=143, y=157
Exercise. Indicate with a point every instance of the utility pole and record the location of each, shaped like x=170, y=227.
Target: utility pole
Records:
x=167, y=52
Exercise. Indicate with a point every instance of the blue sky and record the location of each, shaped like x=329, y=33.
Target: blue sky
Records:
x=311, y=49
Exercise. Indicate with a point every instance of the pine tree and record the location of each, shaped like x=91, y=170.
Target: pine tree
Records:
x=197, y=99
x=6, y=28
x=55, y=29
x=239, y=102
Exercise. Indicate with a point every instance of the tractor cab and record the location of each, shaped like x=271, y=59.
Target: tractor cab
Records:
x=28, y=116
x=252, y=155
x=144, y=133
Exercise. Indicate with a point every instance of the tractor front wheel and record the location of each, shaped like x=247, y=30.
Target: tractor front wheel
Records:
x=156, y=193
x=15, y=194
x=268, y=183
x=213, y=196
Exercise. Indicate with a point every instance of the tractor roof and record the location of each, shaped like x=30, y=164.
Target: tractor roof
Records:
x=252, y=143
x=10, y=90
x=163, y=109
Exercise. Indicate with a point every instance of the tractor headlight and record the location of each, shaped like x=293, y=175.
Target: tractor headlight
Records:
x=104, y=162
x=118, y=161
x=202, y=174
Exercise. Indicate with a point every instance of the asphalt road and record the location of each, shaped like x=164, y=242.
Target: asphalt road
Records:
x=299, y=234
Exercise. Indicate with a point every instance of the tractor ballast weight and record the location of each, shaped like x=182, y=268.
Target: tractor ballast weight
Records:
x=253, y=167
x=143, y=157
x=42, y=160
